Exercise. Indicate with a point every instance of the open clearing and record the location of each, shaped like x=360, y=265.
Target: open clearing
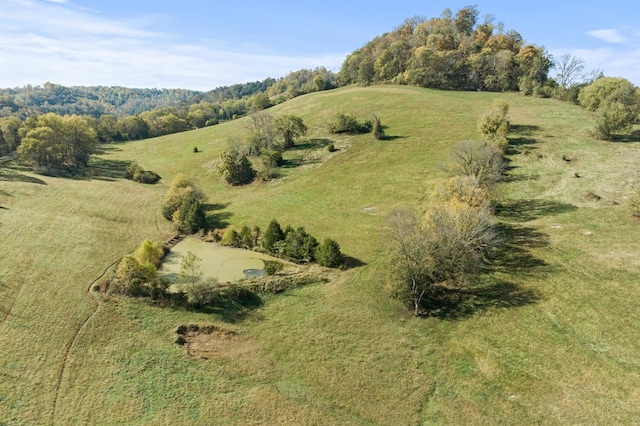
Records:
x=552, y=336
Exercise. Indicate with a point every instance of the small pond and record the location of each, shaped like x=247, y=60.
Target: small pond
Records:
x=223, y=263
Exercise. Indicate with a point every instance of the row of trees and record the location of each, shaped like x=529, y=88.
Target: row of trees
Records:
x=296, y=245
x=446, y=247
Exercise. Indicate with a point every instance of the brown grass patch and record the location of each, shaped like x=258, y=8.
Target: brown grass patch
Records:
x=212, y=341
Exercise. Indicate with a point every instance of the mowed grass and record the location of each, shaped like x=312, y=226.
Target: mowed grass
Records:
x=551, y=336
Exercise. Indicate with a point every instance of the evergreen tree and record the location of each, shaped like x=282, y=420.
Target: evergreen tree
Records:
x=272, y=236
x=328, y=254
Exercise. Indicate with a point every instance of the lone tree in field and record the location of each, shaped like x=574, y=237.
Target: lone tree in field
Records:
x=447, y=247
x=289, y=127
x=262, y=133
x=235, y=168
x=182, y=188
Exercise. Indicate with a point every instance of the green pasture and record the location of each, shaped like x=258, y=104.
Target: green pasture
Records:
x=551, y=336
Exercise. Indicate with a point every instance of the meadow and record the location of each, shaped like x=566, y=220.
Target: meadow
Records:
x=551, y=336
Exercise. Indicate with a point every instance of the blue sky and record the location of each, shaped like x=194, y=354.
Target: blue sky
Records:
x=206, y=44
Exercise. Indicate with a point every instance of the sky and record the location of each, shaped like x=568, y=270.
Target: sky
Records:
x=202, y=45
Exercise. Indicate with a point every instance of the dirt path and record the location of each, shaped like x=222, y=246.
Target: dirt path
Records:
x=73, y=340
x=76, y=335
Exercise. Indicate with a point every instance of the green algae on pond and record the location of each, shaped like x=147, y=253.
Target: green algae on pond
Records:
x=224, y=263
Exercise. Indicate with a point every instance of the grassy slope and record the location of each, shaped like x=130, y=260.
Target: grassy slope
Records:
x=552, y=337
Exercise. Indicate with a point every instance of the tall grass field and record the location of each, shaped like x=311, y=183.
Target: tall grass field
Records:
x=551, y=336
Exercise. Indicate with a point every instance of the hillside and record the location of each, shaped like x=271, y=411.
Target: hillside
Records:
x=550, y=337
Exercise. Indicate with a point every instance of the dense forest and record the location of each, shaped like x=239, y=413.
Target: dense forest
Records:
x=453, y=52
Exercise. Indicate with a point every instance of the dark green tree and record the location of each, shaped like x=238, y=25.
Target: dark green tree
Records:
x=328, y=254
x=190, y=217
x=235, y=168
x=272, y=236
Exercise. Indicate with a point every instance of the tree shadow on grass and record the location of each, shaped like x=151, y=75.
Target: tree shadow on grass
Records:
x=216, y=218
x=233, y=310
x=456, y=305
x=524, y=129
x=292, y=163
x=626, y=138
x=527, y=210
x=104, y=169
x=13, y=175
x=513, y=256
x=315, y=143
x=352, y=262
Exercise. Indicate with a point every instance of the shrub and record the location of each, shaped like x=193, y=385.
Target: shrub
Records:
x=494, y=125
x=138, y=174
x=613, y=118
x=246, y=238
x=465, y=189
x=202, y=293
x=479, y=160
x=299, y=245
x=331, y=147
x=328, y=254
x=230, y=238
x=272, y=267
x=149, y=252
x=378, y=129
x=133, y=279
x=633, y=203
x=344, y=123
x=181, y=188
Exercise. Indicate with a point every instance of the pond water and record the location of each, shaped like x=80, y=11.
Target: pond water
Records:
x=224, y=263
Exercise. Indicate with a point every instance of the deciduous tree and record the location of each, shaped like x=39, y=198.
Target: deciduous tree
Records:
x=289, y=127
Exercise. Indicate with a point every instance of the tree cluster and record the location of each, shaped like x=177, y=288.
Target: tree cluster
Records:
x=183, y=205
x=137, y=274
x=267, y=138
x=138, y=174
x=450, y=52
x=447, y=246
x=348, y=123
x=54, y=141
x=294, y=244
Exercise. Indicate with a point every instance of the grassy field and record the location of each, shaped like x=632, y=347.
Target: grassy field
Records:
x=552, y=336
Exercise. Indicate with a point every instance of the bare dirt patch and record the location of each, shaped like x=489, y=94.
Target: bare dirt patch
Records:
x=212, y=341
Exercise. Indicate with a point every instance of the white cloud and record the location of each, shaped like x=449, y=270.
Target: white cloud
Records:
x=47, y=42
x=58, y=1
x=610, y=36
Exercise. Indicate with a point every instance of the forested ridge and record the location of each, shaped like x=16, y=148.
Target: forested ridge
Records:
x=452, y=52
